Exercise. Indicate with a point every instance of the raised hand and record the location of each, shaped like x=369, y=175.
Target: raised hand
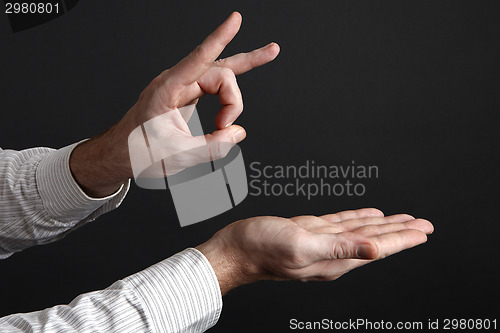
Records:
x=101, y=164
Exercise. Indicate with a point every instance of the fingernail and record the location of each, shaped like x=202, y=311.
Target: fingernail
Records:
x=238, y=136
x=364, y=251
x=228, y=124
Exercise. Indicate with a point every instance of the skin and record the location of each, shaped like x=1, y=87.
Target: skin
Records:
x=299, y=248
x=308, y=247
x=102, y=164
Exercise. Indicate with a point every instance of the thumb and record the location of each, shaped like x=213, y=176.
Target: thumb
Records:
x=221, y=141
x=342, y=246
x=209, y=147
x=231, y=134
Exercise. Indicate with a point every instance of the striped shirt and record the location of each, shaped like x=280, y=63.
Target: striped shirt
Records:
x=40, y=202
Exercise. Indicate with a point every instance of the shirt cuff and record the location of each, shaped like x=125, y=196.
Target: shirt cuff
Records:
x=179, y=294
x=63, y=199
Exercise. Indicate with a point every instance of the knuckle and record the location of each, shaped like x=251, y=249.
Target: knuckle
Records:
x=297, y=239
x=218, y=149
x=227, y=73
x=341, y=250
x=157, y=81
x=296, y=256
x=152, y=87
x=200, y=51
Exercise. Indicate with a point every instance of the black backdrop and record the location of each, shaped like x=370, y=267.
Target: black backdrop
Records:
x=409, y=86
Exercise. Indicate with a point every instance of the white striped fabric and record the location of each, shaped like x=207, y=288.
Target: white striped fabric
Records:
x=183, y=287
x=40, y=202
x=179, y=294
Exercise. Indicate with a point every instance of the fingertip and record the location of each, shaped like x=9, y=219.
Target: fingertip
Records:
x=274, y=46
x=426, y=226
x=277, y=47
x=238, y=133
x=424, y=238
x=274, y=49
x=230, y=27
x=419, y=236
x=374, y=212
x=432, y=227
x=230, y=134
x=236, y=16
x=237, y=13
x=225, y=118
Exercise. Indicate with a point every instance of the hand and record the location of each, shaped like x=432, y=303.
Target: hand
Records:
x=308, y=247
x=102, y=164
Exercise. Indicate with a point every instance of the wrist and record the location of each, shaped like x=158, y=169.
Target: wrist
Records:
x=229, y=264
x=101, y=165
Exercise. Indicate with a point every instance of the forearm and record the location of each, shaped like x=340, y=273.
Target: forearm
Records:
x=39, y=199
x=179, y=294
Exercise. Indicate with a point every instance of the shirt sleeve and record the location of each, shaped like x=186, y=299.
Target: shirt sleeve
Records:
x=40, y=202
x=179, y=294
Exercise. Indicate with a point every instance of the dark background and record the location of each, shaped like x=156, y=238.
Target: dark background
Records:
x=410, y=86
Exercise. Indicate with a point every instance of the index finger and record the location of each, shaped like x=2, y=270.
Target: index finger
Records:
x=243, y=62
x=189, y=69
